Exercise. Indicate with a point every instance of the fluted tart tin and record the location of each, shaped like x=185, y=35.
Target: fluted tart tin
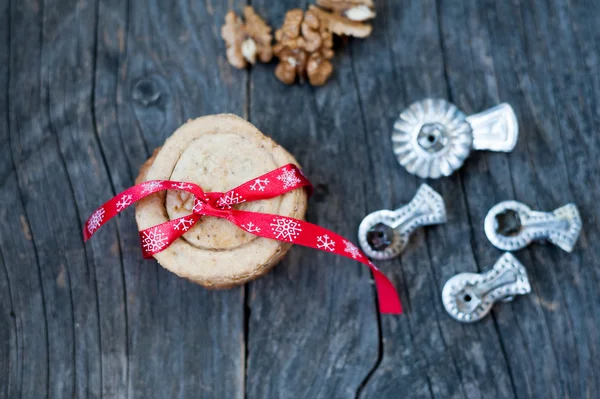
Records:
x=432, y=138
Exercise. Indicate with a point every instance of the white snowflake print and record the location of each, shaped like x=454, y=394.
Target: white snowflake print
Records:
x=95, y=220
x=151, y=186
x=154, y=240
x=325, y=243
x=351, y=249
x=259, y=185
x=198, y=206
x=230, y=198
x=184, y=224
x=286, y=229
x=289, y=178
x=182, y=186
x=251, y=227
x=123, y=202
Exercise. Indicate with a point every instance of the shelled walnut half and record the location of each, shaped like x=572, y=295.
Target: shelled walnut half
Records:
x=340, y=25
x=247, y=41
x=319, y=44
x=289, y=48
x=304, y=48
x=354, y=10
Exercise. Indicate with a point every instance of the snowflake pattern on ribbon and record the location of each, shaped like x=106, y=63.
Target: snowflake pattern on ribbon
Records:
x=150, y=186
x=289, y=178
x=154, y=240
x=285, y=229
x=95, y=220
x=325, y=243
x=124, y=202
x=184, y=224
x=259, y=184
x=251, y=227
x=183, y=186
x=229, y=199
x=351, y=249
x=198, y=206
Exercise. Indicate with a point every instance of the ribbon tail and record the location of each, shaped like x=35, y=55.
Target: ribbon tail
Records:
x=387, y=296
x=311, y=235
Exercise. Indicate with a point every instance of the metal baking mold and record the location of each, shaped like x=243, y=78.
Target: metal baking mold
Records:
x=469, y=297
x=511, y=225
x=432, y=138
x=384, y=234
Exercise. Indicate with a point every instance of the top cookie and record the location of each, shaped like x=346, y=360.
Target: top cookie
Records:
x=218, y=153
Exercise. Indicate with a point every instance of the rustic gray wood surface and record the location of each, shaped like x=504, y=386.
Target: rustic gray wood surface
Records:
x=89, y=88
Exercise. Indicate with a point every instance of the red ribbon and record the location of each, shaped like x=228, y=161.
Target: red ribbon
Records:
x=276, y=227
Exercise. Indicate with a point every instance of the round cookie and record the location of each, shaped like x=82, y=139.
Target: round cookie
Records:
x=218, y=153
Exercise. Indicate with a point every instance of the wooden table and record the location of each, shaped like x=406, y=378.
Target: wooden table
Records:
x=97, y=320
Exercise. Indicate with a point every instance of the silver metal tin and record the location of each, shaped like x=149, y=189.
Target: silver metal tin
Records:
x=469, y=297
x=426, y=208
x=432, y=138
x=511, y=225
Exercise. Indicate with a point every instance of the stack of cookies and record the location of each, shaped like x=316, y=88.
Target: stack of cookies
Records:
x=218, y=153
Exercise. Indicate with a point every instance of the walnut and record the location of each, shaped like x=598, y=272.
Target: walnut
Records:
x=340, y=25
x=246, y=41
x=304, y=43
x=258, y=30
x=304, y=47
x=289, y=48
x=355, y=10
x=319, y=43
x=290, y=30
x=292, y=64
x=318, y=69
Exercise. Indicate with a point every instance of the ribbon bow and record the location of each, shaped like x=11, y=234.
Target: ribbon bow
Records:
x=277, y=182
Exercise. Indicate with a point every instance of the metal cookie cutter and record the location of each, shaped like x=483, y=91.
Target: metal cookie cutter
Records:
x=384, y=234
x=511, y=225
x=468, y=297
x=432, y=138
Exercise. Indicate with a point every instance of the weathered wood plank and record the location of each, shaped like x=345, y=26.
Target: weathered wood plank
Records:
x=22, y=313
x=487, y=180
x=95, y=277
x=425, y=353
x=183, y=340
x=9, y=196
x=544, y=376
x=105, y=323
x=558, y=133
x=51, y=212
x=402, y=63
x=313, y=320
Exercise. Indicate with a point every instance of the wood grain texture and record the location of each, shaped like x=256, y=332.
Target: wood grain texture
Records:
x=90, y=88
x=183, y=341
x=104, y=322
x=313, y=320
x=426, y=354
